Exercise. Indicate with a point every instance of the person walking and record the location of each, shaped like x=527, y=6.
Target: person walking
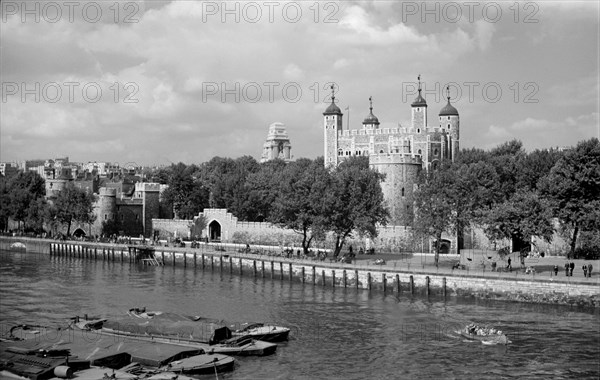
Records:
x=556, y=270
x=567, y=269
x=589, y=270
x=508, y=266
x=571, y=266
x=584, y=267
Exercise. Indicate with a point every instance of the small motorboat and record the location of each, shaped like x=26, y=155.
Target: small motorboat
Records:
x=266, y=333
x=142, y=313
x=485, y=335
x=201, y=364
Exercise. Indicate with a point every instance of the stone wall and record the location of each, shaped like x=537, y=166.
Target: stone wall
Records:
x=549, y=291
x=166, y=228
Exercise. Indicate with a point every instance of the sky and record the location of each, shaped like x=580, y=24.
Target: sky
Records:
x=158, y=82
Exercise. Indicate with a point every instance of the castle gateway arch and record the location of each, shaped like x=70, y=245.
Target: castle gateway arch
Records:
x=214, y=231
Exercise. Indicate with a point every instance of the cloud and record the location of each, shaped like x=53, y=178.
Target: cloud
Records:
x=170, y=56
x=542, y=133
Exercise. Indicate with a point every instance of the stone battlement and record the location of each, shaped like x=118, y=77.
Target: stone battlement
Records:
x=108, y=192
x=147, y=186
x=395, y=158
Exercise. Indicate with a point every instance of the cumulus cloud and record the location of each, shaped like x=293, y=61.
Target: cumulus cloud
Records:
x=172, y=55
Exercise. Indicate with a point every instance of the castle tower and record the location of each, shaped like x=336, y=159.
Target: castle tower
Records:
x=450, y=123
x=105, y=208
x=371, y=121
x=401, y=174
x=332, y=121
x=419, y=112
x=277, y=144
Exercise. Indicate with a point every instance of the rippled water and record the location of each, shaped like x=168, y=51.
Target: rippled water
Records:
x=337, y=333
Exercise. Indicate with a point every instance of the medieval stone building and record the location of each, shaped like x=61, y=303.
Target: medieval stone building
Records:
x=400, y=153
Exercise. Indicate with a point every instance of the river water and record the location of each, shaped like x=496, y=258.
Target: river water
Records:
x=336, y=333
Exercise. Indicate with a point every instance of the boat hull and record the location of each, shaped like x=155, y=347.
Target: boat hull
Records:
x=486, y=339
x=200, y=365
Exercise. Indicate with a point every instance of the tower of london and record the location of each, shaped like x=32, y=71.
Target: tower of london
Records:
x=399, y=153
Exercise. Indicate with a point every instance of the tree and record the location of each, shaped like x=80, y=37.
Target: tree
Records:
x=536, y=165
x=523, y=216
x=474, y=190
x=262, y=190
x=299, y=204
x=225, y=179
x=573, y=188
x=37, y=214
x=435, y=207
x=198, y=226
x=23, y=189
x=74, y=204
x=186, y=193
x=354, y=201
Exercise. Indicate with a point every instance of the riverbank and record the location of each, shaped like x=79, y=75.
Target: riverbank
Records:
x=415, y=275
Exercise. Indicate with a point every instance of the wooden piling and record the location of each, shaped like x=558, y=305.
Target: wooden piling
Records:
x=412, y=285
x=254, y=267
x=281, y=270
x=427, y=284
x=444, y=286
x=262, y=266
x=241, y=268
x=333, y=278
x=356, y=277
x=290, y=271
x=344, y=280
x=384, y=282
x=398, y=286
x=303, y=276
x=369, y=280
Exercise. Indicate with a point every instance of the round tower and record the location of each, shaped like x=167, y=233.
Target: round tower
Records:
x=419, y=112
x=450, y=123
x=107, y=204
x=332, y=121
x=401, y=174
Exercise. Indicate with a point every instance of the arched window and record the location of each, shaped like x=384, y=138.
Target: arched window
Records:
x=418, y=130
x=381, y=151
x=419, y=151
x=436, y=152
x=402, y=191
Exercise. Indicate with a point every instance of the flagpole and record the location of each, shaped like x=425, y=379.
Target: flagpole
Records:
x=348, y=109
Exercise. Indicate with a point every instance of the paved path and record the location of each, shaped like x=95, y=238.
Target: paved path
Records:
x=544, y=267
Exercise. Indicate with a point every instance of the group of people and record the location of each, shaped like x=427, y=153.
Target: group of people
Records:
x=569, y=266
x=474, y=329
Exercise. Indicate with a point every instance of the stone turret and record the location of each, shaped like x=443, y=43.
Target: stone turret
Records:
x=332, y=122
